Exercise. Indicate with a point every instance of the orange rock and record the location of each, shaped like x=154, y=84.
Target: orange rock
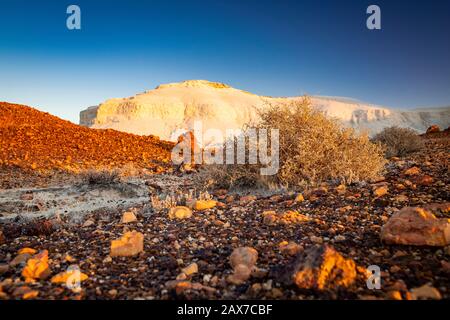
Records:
x=416, y=226
x=413, y=171
x=128, y=217
x=433, y=129
x=27, y=250
x=180, y=212
x=204, y=204
x=130, y=244
x=425, y=292
x=380, y=191
x=322, y=267
x=63, y=277
x=291, y=216
x=37, y=267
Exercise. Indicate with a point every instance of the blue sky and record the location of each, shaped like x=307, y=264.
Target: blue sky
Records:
x=278, y=48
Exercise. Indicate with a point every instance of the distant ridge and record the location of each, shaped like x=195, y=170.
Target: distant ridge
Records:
x=174, y=107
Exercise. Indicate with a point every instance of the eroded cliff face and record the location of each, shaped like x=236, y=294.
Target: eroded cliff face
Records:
x=175, y=107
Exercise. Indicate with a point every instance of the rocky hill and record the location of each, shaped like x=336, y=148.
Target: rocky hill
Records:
x=174, y=107
x=35, y=140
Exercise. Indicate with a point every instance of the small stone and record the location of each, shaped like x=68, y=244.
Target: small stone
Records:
x=394, y=295
x=4, y=268
x=401, y=198
x=191, y=269
x=240, y=275
x=128, y=217
x=290, y=248
x=243, y=255
x=112, y=293
x=20, y=259
x=413, y=171
x=108, y=259
x=246, y=200
x=316, y=239
x=37, y=267
x=88, y=223
x=27, y=250
x=201, y=205
x=380, y=191
x=426, y=292
x=69, y=275
x=130, y=244
x=339, y=238
x=180, y=212
x=242, y=261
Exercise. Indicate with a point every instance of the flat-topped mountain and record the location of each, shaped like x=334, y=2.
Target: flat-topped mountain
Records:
x=174, y=107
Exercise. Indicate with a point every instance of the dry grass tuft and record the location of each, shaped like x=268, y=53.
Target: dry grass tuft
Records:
x=399, y=142
x=101, y=177
x=313, y=149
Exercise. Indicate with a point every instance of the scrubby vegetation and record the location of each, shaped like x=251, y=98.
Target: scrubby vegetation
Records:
x=101, y=177
x=399, y=142
x=313, y=148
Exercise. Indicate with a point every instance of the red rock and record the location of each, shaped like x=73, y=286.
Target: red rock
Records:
x=424, y=180
x=433, y=129
x=416, y=226
x=322, y=267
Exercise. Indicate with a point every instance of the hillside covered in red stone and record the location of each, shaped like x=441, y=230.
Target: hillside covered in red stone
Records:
x=31, y=139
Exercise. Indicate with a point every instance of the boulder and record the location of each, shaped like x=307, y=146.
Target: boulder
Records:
x=416, y=226
x=321, y=267
x=130, y=244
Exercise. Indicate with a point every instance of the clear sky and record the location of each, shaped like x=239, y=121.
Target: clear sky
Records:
x=278, y=48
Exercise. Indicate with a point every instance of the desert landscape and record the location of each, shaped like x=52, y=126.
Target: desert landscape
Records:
x=136, y=226
x=214, y=159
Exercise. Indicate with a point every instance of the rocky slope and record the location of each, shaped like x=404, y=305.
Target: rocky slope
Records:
x=317, y=245
x=34, y=140
x=174, y=107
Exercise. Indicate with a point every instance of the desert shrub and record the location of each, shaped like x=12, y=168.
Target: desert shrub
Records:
x=313, y=148
x=399, y=141
x=101, y=177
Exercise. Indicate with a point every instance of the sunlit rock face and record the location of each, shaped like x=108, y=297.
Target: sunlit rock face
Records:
x=173, y=108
